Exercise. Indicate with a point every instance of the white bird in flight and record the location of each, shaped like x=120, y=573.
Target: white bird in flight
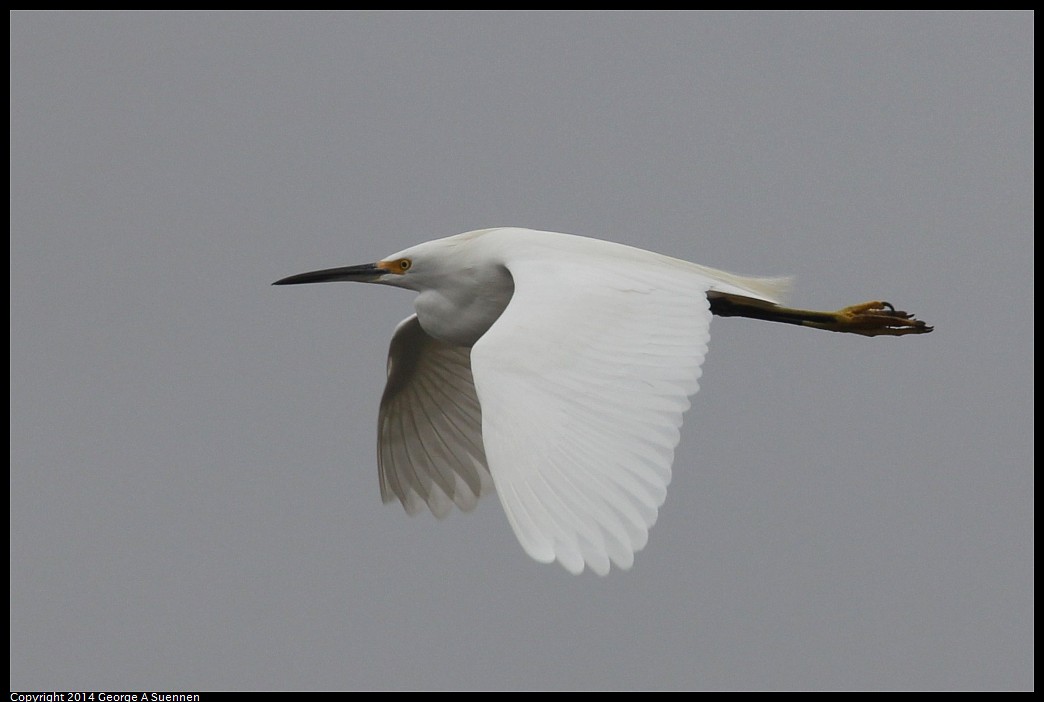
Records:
x=555, y=370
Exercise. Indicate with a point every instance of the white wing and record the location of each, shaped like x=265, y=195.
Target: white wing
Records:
x=429, y=447
x=583, y=381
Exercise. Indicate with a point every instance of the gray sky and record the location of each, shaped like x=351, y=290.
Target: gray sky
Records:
x=194, y=500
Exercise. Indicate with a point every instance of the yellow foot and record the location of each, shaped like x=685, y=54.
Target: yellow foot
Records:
x=869, y=319
x=874, y=319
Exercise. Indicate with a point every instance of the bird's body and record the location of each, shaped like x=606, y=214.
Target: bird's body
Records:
x=556, y=369
x=467, y=286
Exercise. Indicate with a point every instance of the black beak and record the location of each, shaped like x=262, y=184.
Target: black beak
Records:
x=365, y=273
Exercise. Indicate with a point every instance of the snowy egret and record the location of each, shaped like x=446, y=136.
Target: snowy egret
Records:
x=555, y=369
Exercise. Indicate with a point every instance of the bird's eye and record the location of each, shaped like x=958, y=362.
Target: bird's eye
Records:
x=404, y=264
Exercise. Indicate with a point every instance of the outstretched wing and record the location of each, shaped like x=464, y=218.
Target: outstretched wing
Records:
x=429, y=447
x=583, y=381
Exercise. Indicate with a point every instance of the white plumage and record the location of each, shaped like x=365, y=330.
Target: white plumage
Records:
x=553, y=368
